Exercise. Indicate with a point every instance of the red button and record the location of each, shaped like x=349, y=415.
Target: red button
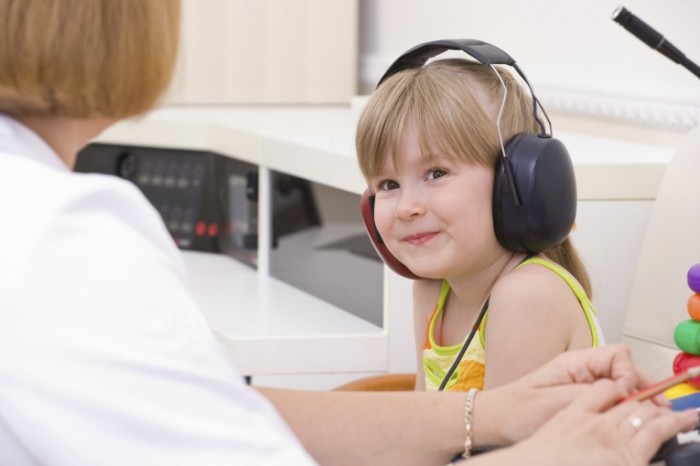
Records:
x=213, y=230
x=200, y=228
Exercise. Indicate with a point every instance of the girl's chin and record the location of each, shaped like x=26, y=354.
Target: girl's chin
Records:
x=426, y=272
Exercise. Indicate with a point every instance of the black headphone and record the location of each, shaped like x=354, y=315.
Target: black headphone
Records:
x=534, y=194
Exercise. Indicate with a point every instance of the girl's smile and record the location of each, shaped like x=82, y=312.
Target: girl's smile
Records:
x=420, y=238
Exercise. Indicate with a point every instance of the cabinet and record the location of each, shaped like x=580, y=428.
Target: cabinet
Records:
x=267, y=52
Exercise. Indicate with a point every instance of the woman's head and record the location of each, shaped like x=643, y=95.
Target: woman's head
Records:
x=86, y=58
x=454, y=103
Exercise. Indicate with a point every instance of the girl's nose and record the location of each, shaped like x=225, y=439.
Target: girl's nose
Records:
x=410, y=205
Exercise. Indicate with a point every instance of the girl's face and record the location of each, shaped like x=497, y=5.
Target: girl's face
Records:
x=434, y=212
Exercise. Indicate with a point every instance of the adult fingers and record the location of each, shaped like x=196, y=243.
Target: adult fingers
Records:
x=587, y=365
x=616, y=363
x=600, y=396
x=654, y=431
x=634, y=416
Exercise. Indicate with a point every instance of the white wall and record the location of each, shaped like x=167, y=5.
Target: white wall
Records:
x=577, y=57
x=306, y=51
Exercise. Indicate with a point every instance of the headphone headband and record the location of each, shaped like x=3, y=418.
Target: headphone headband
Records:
x=483, y=52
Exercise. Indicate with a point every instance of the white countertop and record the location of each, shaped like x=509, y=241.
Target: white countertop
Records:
x=317, y=143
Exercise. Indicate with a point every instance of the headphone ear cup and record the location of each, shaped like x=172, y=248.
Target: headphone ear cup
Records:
x=367, y=210
x=544, y=180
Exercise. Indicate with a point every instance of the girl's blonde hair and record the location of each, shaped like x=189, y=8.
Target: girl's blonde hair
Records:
x=453, y=104
x=84, y=58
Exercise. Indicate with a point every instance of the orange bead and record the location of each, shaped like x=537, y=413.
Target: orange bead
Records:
x=694, y=306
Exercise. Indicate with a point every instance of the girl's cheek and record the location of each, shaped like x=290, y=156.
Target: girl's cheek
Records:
x=382, y=218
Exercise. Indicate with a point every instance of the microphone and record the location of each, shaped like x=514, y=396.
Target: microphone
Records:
x=652, y=38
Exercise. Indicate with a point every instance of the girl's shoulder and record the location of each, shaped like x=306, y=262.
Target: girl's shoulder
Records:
x=537, y=279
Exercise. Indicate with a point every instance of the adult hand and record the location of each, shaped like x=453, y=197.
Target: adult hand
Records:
x=524, y=405
x=596, y=429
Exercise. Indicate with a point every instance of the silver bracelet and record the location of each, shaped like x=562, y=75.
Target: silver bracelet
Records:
x=468, y=408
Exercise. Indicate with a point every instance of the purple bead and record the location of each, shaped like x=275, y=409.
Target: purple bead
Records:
x=694, y=278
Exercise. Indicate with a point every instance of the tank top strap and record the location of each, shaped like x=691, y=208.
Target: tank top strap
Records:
x=581, y=296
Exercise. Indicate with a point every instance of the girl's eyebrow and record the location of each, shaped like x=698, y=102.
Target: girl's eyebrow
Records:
x=431, y=157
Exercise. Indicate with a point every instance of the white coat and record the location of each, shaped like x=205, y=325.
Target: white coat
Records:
x=105, y=358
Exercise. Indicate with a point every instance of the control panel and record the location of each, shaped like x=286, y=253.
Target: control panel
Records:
x=207, y=201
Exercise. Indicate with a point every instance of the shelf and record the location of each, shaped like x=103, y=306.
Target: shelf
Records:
x=272, y=327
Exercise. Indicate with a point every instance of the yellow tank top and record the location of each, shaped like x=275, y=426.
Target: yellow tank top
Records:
x=471, y=370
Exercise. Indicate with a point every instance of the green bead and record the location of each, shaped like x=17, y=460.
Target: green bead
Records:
x=687, y=336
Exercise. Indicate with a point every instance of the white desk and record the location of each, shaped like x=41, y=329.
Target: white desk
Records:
x=273, y=328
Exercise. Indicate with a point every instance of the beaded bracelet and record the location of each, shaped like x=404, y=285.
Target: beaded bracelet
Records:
x=468, y=408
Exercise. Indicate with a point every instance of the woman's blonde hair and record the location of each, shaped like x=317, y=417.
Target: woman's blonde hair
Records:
x=84, y=58
x=454, y=105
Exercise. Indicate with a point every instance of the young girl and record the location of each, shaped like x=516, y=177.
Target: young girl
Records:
x=428, y=145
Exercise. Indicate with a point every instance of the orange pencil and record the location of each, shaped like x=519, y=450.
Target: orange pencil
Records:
x=653, y=390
